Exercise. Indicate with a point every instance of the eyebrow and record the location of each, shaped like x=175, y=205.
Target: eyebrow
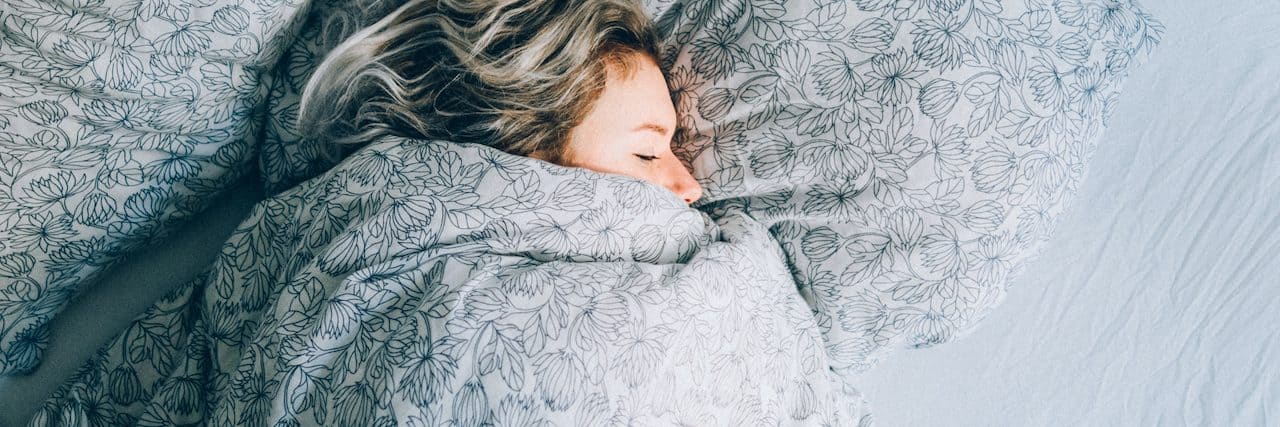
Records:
x=650, y=126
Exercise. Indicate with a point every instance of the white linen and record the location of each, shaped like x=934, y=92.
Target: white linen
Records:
x=1156, y=302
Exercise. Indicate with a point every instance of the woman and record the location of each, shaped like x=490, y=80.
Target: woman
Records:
x=410, y=285
x=570, y=82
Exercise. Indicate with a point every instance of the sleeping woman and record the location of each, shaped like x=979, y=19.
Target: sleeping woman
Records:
x=409, y=285
x=575, y=83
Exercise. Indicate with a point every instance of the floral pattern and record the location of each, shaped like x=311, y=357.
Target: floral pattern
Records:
x=117, y=119
x=875, y=174
x=908, y=156
x=430, y=283
x=287, y=158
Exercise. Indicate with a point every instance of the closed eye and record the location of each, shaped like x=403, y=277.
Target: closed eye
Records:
x=646, y=158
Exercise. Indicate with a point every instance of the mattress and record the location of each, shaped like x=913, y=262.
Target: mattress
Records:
x=1156, y=302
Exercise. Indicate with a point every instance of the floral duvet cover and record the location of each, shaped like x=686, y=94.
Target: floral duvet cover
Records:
x=424, y=283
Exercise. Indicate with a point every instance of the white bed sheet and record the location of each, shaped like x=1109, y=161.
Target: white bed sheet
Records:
x=1158, y=300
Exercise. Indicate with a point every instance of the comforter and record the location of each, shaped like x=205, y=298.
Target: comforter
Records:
x=119, y=120
x=876, y=175
x=420, y=283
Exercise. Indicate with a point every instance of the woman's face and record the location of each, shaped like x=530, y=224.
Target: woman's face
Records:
x=629, y=130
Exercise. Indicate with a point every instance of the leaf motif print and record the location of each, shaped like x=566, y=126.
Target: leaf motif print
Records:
x=43, y=112
x=820, y=243
x=716, y=54
x=942, y=252
x=187, y=39
x=986, y=215
x=54, y=188
x=938, y=97
x=894, y=77
x=573, y=194
x=812, y=121
x=597, y=323
x=873, y=35
x=836, y=76
x=471, y=406
x=14, y=88
x=562, y=374
x=16, y=265
x=552, y=234
x=985, y=92
x=1033, y=26
x=896, y=159
x=839, y=199
x=995, y=169
x=939, y=41
x=43, y=231
x=606, y=230
x=869, y=255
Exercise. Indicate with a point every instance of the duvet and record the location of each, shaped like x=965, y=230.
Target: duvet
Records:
x=876, y=174
x=430, y=283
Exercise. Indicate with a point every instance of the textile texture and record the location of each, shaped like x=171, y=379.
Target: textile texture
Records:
x=910, y=157
x=422, y=283
x=876, y=173
x=118, y=119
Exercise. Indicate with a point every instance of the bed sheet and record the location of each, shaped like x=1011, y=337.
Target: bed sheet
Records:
x=123, y=293
x=1156, y=302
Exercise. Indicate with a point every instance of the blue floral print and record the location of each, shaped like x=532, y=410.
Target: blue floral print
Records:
x=908, y=156
x=351, y=300
x=875, y=174
x=117, y=120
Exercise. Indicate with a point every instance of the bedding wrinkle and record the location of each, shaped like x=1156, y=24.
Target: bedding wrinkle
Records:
x=143, y=110
x=1176, y=226
x=685, y=319
x=1171, y=224
x=1210, y=223
x=1109, y=329
x=582, y=326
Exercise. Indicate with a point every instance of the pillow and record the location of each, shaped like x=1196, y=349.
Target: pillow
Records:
x=909, y=156
x=117, y=119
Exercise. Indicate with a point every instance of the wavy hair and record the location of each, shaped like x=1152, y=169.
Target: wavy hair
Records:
x=515, y=75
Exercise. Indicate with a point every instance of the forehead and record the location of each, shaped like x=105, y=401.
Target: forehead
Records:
x=637, y=93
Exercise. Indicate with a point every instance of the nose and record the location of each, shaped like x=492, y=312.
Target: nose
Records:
x=680, y=181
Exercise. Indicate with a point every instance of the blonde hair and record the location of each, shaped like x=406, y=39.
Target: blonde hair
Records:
x=515, y=75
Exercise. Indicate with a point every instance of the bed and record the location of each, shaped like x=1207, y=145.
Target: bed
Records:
x=1102, y=267
x=1156, y=302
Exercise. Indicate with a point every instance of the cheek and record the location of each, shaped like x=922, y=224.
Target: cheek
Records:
x=590, y=153
x=582, y=148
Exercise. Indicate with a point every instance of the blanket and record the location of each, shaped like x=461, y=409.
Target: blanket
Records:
x=876, y=173
x=119, y=120
x=427, y=282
